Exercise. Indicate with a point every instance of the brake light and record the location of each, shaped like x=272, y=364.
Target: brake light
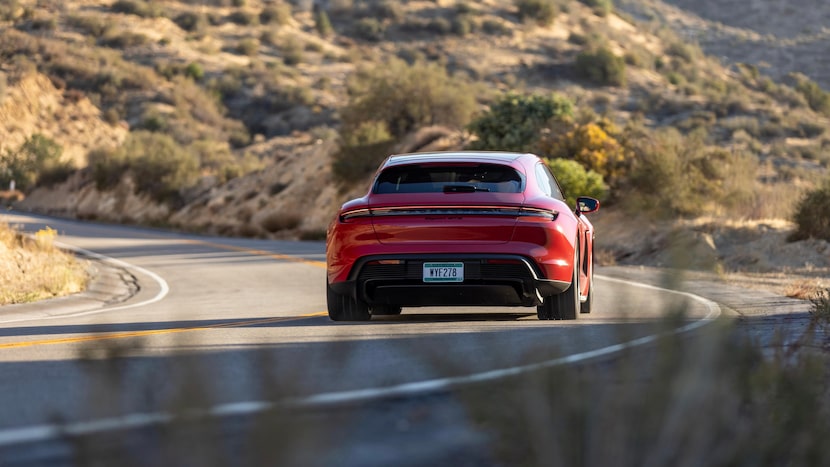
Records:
x=354, y=214
x=539, y=212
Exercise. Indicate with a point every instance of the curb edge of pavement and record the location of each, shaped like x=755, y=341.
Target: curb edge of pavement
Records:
x=108, y=285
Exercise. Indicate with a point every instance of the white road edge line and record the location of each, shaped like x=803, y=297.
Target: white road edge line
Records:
x=164, y=288
x=39, y=433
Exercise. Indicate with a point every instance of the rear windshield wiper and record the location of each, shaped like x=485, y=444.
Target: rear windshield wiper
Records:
x=463, y=188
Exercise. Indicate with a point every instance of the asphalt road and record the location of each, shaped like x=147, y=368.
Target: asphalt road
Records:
x=228, y=326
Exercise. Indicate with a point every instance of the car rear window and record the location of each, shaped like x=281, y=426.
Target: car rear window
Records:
x=448, y=178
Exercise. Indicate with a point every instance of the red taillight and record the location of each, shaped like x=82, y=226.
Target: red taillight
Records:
x=354, y=214
x=547, y=214
x=386, y=261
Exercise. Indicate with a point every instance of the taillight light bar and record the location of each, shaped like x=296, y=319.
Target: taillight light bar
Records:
x=452, y=211
x=354, y=214
x=539, y=212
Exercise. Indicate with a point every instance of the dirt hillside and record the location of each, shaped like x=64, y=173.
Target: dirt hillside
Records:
x=779, y=37
x=34, y=105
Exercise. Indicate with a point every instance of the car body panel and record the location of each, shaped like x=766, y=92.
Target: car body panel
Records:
x=521, y=241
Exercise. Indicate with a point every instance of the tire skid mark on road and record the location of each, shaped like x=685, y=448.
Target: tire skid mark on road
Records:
x=47, y=432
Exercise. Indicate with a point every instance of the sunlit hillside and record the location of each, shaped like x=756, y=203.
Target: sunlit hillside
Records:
x=249, y=117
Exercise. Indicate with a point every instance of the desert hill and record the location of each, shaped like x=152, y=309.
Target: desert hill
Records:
x=777, y=37
x=247, y=98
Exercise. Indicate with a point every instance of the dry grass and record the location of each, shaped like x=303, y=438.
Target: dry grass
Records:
x=804, y=289
x=34, y=269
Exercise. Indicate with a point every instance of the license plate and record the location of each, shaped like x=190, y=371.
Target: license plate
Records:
x=443, y=272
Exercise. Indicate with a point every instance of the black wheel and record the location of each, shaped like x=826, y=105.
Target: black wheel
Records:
x=345, y=308
x=565, y=304
x=585, y=307
x=386, y=310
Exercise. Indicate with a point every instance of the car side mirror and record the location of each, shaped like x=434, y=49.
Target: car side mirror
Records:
x=585, y=205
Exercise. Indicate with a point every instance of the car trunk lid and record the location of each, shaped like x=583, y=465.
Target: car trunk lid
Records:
x=457, y=215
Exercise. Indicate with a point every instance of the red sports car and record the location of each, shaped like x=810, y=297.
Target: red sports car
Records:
x=461, y=228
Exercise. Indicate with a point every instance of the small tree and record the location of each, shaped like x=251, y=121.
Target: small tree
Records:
x=514, y=122
x=391, y=100
x=407, y=97
x=37, y=156
x=601, y=66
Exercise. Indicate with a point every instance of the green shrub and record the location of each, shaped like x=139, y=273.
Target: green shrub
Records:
x=322, y=23
x=191, y=22
x=496, y=27
x=812, y=215
x=36, y=157
x=600, y=7
x=217, y=159
x=387, y=9
x=515, y=122
x=817, y=98
x=92, y=25
x=279, y=14
x=292, y=52
x=683, y=51
x=243, y=18
x=159, y=166
x=391, y=100
x=368, y=133
x=543, y=12
x=369, y=29
x=138, y=8
x=440, y=26
x=406, y=97
x=354, y=163
x=462, y=25
x=576, y=180
x=601, y=66
x=676, y=175
x=248, y=46
x=194, y=71
x=123, y=39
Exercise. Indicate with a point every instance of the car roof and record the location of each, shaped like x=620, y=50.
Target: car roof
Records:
x=455, y=156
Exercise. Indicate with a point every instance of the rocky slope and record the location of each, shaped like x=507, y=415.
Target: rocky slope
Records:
x=777, y=37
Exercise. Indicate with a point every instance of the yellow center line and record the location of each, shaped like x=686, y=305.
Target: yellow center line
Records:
x=127, y=334
x=267, y=254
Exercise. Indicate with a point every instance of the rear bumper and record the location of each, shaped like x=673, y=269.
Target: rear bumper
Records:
x=490, y=280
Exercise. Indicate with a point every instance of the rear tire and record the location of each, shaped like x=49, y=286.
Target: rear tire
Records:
x=565, y=305
x=345, y=308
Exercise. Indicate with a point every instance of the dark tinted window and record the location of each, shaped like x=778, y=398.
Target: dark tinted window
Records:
x=441, y=178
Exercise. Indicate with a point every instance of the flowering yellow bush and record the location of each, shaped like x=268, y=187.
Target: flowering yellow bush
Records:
x=594, y=145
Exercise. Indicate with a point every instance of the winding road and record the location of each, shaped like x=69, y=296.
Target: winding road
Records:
x=221, y=328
